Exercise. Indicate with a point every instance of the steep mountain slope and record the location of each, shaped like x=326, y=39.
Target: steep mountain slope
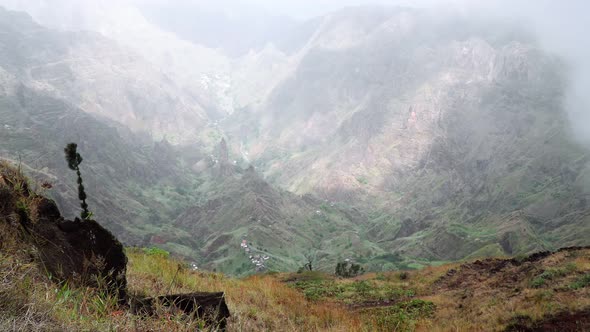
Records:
x=427, y=138
x=451, y=132
x=200, y=71
x=100, y=77
x=503, y=179
x=138, y=187
x=244, y=225
x=118, y=170
x=132, y=182
x=222, y=71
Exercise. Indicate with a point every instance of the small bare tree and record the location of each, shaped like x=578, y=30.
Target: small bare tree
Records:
x=310, y=258
x=74, y=160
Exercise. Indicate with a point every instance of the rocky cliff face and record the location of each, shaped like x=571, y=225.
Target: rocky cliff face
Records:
x=377, y=99
x=80, y=253
x=440, y=122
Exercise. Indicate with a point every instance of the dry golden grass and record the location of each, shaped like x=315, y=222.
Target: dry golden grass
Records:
x=257, y=303
x=483, y=296
x=29, y=301
x=490, y=304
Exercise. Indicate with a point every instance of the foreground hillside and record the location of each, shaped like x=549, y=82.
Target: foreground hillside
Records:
x=491, y=295
x=546, y=291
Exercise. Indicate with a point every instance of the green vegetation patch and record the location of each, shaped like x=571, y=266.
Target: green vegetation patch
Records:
x=154, y=251
x=351, y=292
x=400, y=317
x=551, y=274
x=362, y=180
x=581, y=282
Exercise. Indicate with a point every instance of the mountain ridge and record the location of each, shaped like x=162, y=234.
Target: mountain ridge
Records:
x=398, y=142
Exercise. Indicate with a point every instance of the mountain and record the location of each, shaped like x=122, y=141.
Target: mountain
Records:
x=390, y=136
x=118, y=166
x=100, y=77
x=149, y=193
x=199, y=50
x=61, y=87
x=451, y=133
x=201, y=72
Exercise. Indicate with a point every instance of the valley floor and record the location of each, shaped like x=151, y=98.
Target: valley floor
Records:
x=547, y=291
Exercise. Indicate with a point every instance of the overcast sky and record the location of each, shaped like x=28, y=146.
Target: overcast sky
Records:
x=310, y=8
x=305, y=8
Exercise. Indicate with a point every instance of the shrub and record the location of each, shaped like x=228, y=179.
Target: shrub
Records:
x=402, y=316
x=571, y=267
x=581, y=282
x=538, y=282
x=362, y=287
x=348, y=269
x=550, y=274
x=314, y=290
x=362, y=180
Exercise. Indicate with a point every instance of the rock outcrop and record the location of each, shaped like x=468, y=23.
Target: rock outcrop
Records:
x=82, y=252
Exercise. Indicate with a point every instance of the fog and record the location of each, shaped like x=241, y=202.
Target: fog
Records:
x=560, y=26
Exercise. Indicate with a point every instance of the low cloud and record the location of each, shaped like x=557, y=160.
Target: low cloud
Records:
x=560, y=26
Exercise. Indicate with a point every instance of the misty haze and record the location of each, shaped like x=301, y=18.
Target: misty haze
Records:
x=313, y=165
